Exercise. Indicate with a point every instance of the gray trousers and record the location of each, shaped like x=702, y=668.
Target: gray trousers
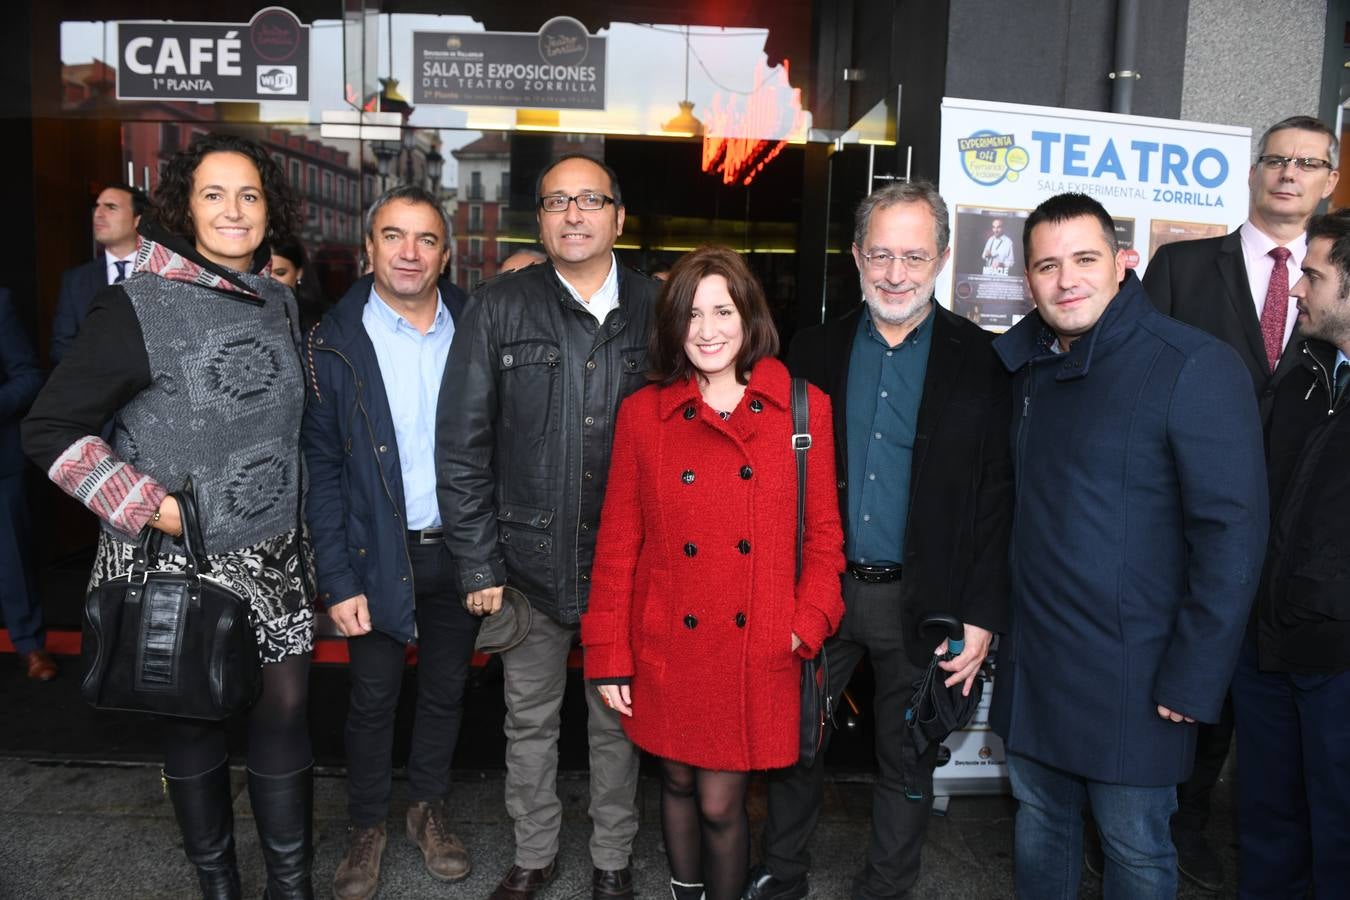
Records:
x=536, y=674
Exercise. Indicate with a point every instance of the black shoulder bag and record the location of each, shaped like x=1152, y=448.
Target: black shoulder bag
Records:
x=815, y=672
x=169, y=642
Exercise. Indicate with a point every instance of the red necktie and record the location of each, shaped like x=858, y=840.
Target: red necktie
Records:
x=1276, y=310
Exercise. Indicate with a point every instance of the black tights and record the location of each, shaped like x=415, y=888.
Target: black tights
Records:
x=706, y=827
x=278, y=728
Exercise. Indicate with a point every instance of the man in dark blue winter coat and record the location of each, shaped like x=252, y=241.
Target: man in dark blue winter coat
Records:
x=385, y=573
x=1139, y=527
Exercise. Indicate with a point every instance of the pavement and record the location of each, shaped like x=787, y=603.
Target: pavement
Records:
x=94, y=830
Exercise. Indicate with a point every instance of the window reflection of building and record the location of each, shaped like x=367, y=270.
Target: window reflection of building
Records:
x=477, y=215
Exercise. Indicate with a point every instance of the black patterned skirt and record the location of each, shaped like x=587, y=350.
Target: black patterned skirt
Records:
x=275, y=576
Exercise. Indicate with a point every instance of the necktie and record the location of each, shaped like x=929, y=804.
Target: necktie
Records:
x=121, y=271
x=1342, y=379
x=1276, y=310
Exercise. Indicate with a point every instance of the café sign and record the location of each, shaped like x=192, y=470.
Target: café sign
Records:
x=561, y=67
x=265, y=58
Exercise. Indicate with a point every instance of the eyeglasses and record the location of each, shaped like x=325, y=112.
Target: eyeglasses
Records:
x=590, y=202
x=1304, y=163
x=881, y=260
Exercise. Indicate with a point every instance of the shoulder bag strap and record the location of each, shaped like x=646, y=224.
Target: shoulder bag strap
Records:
x=801, y=442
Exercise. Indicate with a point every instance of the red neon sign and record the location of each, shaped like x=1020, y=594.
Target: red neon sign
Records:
x=743, y=136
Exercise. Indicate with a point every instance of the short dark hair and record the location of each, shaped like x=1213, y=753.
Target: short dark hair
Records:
x=172, y=197
x=140, y=203
x=904, y=192
x=1062, y=208
x=291, y=248
x=408, y=193
x=669, y=362
x=1335, y=227
x=614, y=190
x=1302, y=123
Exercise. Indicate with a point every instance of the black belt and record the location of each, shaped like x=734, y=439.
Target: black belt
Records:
x=875, y=574
x=427, y=536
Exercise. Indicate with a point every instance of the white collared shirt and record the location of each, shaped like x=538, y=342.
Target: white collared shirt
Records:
x=1256, y=247
x=112, y=262
x=604, y=299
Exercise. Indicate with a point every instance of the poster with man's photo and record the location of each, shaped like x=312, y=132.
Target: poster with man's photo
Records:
x=987, y=266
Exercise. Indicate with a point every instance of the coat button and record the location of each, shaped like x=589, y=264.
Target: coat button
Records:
x=740, y=620
x=360, y=551
x=690, y=621
x=590, y=420
x=688, y=476
x=587, y=475
x=743, y=546
x=690, y=549
x=384, y=448
x=590, y=364
x=756, y=406
x=689, y=412
x=746, y=472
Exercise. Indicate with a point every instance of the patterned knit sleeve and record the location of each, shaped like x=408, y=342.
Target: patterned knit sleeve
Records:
x=105, y=367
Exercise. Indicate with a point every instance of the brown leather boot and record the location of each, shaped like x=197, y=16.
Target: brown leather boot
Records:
x=522, y=884
x=358, y=875
x=444, y=853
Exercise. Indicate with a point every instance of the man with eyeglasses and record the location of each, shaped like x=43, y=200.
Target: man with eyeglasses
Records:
x=540, y=362
x=1236, y=287
x=921, y=413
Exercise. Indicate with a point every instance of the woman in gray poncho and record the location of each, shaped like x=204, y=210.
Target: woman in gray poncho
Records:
x=194, y=361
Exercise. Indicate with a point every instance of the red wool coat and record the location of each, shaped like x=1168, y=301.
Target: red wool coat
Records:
x=692, y=592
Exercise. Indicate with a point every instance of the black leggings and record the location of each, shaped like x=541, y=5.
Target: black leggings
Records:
x=278, y=728
x=706, y=828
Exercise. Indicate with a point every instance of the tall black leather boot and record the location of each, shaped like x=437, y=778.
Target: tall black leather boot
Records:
x=203, y=806
x=283, y=807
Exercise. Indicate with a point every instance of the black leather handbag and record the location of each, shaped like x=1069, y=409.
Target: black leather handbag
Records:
x=169, y=642
x=816, y=711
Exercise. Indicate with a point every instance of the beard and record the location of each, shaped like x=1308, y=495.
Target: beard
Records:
x=896, y=313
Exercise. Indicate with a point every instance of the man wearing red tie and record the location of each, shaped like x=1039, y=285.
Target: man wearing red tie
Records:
x=1236, y=287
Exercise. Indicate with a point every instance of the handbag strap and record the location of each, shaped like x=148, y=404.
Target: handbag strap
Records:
x=194, y=548
x=801, y=442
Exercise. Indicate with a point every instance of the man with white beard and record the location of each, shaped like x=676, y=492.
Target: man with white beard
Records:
x=921, y=417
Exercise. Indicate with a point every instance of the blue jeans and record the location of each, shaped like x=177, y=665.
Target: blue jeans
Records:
x=1141, y=863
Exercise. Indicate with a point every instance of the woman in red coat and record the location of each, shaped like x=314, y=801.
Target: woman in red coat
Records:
x=696, y=629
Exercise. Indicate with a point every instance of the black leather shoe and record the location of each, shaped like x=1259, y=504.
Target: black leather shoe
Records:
x=522, y=884
x=607, y=884
x=763, y=886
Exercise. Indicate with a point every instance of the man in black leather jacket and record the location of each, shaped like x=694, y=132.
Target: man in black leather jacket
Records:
x=540, y=362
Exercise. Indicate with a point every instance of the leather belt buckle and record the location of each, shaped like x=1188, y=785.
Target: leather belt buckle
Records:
x=875, y=574
x=427, y=536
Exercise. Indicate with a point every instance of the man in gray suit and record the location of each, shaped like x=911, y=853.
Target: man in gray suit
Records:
x=1236, y=287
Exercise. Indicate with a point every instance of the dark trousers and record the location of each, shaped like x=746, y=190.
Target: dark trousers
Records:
x=1293, y=736
x=1211, y=752
x=18, y=591
x=872, y=624
x=445, y=636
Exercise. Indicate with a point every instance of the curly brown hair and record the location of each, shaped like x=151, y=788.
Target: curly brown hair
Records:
x=174, y=212
x=668, y=360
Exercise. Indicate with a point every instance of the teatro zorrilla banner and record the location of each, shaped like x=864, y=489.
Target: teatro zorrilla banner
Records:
x=265, y=58
x=1162, y=180
x=561, y=67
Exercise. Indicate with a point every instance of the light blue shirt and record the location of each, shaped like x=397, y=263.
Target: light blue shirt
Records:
x=411, y=364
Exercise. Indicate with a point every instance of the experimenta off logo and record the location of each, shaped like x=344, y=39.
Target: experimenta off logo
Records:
x=989, y=157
